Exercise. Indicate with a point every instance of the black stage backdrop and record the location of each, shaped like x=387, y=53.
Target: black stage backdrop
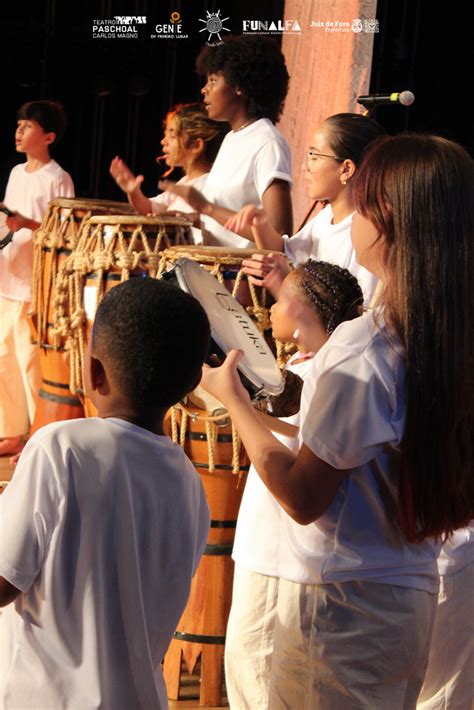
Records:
x=117, y=91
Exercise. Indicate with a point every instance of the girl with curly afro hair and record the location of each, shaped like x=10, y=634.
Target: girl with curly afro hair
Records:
x=247, y=82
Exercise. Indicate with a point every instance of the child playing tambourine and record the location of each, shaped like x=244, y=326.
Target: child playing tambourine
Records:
x=313, y=300
x=384, y=467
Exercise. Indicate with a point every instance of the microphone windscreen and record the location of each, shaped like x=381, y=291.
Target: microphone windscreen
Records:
x=406, y=98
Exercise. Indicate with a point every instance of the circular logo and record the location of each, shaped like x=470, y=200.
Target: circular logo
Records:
x=214, y=25
x=175, y=17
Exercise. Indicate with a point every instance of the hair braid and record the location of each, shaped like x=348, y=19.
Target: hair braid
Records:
x=333, y=291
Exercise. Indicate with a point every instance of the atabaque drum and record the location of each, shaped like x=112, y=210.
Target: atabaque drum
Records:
x=53, y=242
x=212, y=443
x=109, y=250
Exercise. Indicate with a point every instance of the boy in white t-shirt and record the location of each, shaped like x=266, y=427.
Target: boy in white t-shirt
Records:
x=105, y=520
x=30, y=188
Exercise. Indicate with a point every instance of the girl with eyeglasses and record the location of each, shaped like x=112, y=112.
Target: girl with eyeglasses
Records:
x=330, y=165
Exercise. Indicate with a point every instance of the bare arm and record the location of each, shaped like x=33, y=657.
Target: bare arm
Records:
x=304, y=485
x=264, y=233
x=16, y=221
x=8, y=593
x=276, y=201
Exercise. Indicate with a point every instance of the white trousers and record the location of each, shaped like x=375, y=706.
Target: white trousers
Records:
x=347, y=646
x=449, y=680
x=20, y=375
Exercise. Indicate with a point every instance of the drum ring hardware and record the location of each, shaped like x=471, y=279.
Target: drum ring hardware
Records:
x=218, y=413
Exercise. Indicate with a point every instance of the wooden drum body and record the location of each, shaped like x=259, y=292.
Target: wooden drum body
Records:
x=215, y=450
x=109, y=250
x=53, y=242
x=212, y=443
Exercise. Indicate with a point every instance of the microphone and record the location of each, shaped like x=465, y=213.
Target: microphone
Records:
x=406, y=98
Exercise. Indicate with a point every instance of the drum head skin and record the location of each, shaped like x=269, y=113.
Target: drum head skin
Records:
x=231, y=327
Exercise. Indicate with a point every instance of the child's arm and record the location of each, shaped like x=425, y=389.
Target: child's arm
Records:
x=8, y=593
x=264, y=233
x=304, y=485
x=130, y=184
x=201, y=205
x=276, y=202
x=17, y=221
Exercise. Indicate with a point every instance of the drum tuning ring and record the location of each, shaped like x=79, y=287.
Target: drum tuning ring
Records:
x=221, y=422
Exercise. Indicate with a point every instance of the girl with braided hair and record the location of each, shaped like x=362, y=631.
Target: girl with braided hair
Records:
x=383, y=473
x=313, y=300
x=191, y=141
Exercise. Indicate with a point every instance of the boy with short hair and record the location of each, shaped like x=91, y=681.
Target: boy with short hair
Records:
x=30, y=188
x=104, y=522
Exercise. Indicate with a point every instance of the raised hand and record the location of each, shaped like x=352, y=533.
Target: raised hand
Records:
x=124, y=177
x=267, y=270
x=248, y=216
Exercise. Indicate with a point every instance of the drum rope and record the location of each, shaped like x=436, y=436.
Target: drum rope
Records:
x=174, y=425
x=184, y=424
x=236, y=445
x=211, y=433
x=210, y=422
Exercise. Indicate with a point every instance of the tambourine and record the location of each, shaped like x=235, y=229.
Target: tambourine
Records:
x=231, y=327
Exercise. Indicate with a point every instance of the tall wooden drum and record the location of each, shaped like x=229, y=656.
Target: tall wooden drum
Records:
x=53, y=242
x=212, y=443
x=109, y=249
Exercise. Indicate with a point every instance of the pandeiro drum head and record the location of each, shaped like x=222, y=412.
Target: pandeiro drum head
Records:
x=231, y=327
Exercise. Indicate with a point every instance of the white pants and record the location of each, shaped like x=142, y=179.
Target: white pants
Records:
x=347, y=646
x=249, y=639
x=449, y=680
x=20, y=375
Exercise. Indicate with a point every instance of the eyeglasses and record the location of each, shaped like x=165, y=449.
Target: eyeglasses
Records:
x=311, y=156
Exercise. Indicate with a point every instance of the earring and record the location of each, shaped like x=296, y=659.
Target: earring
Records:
x=296, y=333
x=344, y=182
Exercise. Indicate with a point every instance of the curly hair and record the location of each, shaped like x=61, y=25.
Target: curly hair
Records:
x=192, y=122
x=50, y=115
x=256, y=66
x=333, y=291
x=154, y=338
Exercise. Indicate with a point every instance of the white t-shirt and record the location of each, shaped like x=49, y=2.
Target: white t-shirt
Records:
x=353, y=411
x=321, y=239
x=457, y=552
x=101, y=529
x=28, y=194
x=247, y=163
x=167, y=202
x=260, y=538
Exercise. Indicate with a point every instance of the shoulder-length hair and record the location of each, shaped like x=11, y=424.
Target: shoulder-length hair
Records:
x=418, y=191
